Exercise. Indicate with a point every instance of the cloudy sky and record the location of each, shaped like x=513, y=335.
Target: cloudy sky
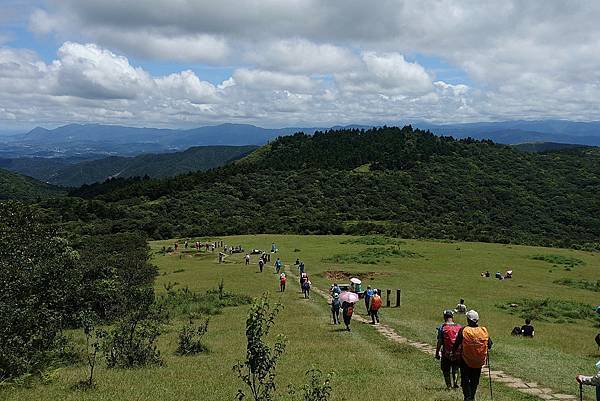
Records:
x=276, y=63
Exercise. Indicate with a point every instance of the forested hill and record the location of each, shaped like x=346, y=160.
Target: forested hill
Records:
x=17, y=186
x=402, y=182
x=153, y=165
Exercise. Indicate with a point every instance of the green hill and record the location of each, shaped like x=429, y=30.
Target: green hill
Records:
x=152, y=165
x=401, y=182
x=16, y=186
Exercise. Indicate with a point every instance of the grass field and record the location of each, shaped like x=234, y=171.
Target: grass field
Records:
x=432, y=276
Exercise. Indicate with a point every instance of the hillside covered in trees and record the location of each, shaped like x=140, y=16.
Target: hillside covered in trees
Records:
x=399, y=181
x=20, y=187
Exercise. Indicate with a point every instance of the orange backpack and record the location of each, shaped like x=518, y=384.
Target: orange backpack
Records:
x=375, y=302
x=475, y=346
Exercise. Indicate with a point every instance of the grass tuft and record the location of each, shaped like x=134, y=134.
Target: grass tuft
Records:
x=550, y=310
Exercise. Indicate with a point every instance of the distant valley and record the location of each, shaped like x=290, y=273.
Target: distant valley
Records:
x=76, y=171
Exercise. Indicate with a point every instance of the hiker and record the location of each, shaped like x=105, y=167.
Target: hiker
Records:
x=335, y=289
x=222, y=257
x=247, y=258
x=176, y=246
x=306, y=288
x=461, y=307
x=446, y=337
x=527, y=329
x=261, y=264
x=508, y=274
x=374, y=305
x=367, y=296
x=347, y=311
x=282, y=281
x=301, y=267
x=592, y=380
x=474, y=342
x=499, y=276
x=273, y=248
x=297, y=262
x=277, y=265
x=186, y=244
x=335, y=308
x=303, y=278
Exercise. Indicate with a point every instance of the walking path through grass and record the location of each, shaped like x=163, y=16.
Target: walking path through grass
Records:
x=520, y=385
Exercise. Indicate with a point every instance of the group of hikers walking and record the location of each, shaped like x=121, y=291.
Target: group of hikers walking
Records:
x=460, y=349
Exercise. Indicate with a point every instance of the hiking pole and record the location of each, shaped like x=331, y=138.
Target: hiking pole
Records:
x=490, y=374
x=580, y=391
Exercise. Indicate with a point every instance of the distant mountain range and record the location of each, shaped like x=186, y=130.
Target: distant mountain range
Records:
x=80, y=140
x=76, y=171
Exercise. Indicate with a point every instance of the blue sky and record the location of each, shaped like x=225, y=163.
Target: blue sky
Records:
x=197, y=62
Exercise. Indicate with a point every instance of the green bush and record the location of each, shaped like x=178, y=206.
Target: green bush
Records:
x=372, y=256
x=581, y=284
x=190, y=338
x=183, y=301
x=559, y=260
x=551, y=310
x=373, y=240
x=132, y=342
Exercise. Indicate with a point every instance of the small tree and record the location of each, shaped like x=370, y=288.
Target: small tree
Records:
x=258, y=371
x=318, y=387
x=93, y=339
x=190, y=338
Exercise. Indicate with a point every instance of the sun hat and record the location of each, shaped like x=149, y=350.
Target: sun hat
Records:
x=336, y=295
x=473, y=316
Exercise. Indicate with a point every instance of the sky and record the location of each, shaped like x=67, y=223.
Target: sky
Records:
x=281, y=63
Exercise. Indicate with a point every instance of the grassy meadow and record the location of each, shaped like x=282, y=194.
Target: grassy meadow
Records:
x=432, y=276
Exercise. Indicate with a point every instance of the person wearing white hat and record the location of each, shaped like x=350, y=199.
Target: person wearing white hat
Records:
x=474, y=342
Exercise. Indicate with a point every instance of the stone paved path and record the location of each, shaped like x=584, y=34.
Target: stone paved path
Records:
x=499, y=376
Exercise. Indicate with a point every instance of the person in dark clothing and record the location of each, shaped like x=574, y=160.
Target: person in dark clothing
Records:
x=527, y=329
x=335, y=308
x=347, y=311
x=474, y=343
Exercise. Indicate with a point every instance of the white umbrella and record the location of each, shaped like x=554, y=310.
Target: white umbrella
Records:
x=355, y=280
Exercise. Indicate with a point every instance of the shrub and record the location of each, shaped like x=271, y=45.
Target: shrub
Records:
x=568, y=262
x=132, y=341
x=373, y=240
x=318, y=387
x=552, y=310
x=372, y=256
x=190, y=338
x=581, y=284
x=93, y=339
x=183, y=301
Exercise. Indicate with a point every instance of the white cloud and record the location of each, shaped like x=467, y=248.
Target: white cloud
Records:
x=322, y=61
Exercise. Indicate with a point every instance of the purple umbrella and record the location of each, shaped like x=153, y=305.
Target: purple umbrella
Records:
x=350, y=297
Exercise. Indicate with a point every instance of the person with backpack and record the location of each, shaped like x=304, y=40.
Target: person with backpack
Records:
x=367, y=296
x=446, y=337
x=474, y=343
x=261, y=264
x=306, y=288
x=591, y=380
x=278, y=265
x=282, y=281
x=247, y=259
x=347, y=311
x=335, y=289
x=374, y=305
x=335, y=308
